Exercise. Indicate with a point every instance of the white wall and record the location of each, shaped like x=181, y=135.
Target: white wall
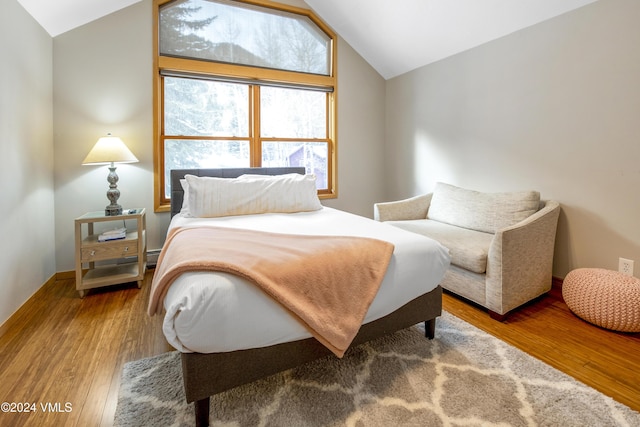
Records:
x=103, y=83
x=26, y=143
x=102, y=79
x=554, y=107
x=360, y=134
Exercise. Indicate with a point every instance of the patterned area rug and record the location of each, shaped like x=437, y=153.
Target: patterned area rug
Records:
x=464, y=377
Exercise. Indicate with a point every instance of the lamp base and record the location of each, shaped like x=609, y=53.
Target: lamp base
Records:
x=113, y=210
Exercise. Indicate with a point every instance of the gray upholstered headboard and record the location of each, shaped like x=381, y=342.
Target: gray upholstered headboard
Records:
x=177, y=194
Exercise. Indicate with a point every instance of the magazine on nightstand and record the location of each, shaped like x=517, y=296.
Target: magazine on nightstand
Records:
x=118, y=233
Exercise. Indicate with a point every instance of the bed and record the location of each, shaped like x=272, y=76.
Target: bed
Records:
x=267, y=339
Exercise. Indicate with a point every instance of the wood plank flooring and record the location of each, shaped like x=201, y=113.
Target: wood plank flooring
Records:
x=65, y=349
x=68, y=353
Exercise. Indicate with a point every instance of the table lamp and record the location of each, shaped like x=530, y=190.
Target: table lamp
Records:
x=110, y=150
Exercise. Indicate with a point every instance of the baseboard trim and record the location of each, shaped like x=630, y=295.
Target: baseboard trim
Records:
x=65, y=275
x=15, y=317
x=556, y=282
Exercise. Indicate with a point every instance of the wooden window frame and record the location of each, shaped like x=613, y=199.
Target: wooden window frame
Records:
x=233, y=71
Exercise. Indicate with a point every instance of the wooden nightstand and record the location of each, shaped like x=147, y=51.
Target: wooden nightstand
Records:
x=110, y=271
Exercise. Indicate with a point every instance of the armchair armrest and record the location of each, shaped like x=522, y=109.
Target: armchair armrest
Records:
x=412, y=208
x=520, y=262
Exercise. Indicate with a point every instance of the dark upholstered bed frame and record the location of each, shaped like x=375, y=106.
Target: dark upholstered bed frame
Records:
x=207, y=374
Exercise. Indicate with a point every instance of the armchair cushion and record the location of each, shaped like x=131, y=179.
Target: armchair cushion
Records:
x=468, y=249
x=486, y=212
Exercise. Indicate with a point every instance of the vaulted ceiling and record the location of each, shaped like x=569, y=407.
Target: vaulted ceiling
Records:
x=398, y=36
x=393, y=36
x=60, y=16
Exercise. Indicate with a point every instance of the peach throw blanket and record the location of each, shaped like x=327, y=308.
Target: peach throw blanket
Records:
x=326, y=282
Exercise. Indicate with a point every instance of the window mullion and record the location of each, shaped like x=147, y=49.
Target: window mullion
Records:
x=254, y=112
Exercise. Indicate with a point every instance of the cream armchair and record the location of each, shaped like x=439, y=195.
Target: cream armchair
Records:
x=501, y=244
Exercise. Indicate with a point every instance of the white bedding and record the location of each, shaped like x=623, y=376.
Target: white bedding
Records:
x=218, y=312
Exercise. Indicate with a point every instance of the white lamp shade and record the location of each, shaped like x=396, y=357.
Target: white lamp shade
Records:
x=109, y=149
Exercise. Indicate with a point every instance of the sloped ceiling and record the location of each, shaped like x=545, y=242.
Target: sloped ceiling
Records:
x=401, y=35
x=60, y=16
x=394, y=36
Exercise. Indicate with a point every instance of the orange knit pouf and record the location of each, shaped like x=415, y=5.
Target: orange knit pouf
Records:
x=604, y=297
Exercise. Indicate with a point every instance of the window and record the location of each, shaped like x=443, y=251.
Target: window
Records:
x=243, y=83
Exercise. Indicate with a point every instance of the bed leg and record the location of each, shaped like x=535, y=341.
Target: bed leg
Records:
x=202, y=412
x=430, y=328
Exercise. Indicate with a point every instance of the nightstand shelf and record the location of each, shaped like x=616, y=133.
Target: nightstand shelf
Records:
x=113, y=255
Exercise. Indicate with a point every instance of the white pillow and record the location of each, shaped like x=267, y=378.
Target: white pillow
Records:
x=185, y=198
x=488, y=212
x=210, y=197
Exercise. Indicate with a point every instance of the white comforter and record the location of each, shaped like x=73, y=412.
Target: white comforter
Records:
x=218, y=312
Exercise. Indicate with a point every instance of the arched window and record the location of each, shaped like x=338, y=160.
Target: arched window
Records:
x=243, y=83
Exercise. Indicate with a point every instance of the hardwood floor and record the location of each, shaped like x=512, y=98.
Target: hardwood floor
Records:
x=60, y=348
x=67, y=353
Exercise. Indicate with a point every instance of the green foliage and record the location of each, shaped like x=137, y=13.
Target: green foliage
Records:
x=177, y=27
